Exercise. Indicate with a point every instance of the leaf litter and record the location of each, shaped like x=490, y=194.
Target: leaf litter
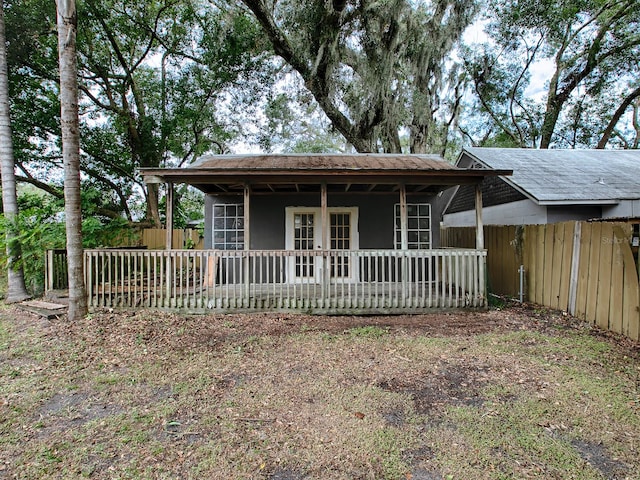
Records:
x=141, y=394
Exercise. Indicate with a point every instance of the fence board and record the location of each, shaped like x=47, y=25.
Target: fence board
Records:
x=594, y=268
x=548, y=268
x=631, y=297
x=539, y=266
x=556, y=265
x=156, y=238
x=604, y=276
x=616, y=307
x=567, y=255
x=583, y=270
x=508, y=281
x=531, y=240
x=617, y=278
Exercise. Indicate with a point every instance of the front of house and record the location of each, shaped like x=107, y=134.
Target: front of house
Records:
x=314, y=233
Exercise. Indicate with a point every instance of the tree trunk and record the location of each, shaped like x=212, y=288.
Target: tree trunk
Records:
x=16, y=291
x=67, y=25
x=153, y=209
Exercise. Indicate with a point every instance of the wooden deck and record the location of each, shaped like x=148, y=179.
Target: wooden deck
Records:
x=336, y=282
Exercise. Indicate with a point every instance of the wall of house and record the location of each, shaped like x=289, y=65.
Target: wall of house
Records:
x=625, y=209
x=267, y=214
x=523, y=212
x=575, y=212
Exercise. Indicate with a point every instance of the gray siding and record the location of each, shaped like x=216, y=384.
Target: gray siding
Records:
x=572, y=212
x=524, y=212
x=625, y=209
x=267, y=217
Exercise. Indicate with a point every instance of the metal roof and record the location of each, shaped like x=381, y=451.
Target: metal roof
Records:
x=560, y=177
x=319, y=162
x=366, y=173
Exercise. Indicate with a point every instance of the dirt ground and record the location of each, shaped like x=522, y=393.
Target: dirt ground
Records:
x=514, y=392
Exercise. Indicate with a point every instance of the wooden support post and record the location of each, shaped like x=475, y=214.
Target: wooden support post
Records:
x=479, y=225
x=404, y=234
x=246, y=220
x=169, y=215
x=404, y=241
x=247, y=241
x=324, y=217
x=50, y=272
x=169, y=245
x=324, y=239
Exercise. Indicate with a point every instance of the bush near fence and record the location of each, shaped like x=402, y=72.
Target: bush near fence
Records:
x=585, y=268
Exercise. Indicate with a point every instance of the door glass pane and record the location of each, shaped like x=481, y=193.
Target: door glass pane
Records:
x=340, y=228
x=303, y=240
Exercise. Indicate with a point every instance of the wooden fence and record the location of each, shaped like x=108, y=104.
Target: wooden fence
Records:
x=585, y=268
x=155, y=238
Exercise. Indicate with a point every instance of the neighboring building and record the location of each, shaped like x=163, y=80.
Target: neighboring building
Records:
x=547, y=186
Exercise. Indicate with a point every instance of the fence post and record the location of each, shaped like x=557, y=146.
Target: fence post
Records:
x=49, y=271
x=575, y=267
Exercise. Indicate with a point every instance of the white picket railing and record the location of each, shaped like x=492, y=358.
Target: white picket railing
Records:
x=336, y=281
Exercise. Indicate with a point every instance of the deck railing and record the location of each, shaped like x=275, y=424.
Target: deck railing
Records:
x=362, y=281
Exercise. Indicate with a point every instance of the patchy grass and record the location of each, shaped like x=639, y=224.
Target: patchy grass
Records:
x=514, y=393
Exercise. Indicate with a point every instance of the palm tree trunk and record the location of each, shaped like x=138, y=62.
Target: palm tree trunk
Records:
x=67, y=25
x=16, y=291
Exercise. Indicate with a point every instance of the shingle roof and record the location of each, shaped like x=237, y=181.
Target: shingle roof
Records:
x=567, y=176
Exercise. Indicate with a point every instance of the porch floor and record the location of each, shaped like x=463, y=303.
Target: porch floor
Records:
x=306, y=297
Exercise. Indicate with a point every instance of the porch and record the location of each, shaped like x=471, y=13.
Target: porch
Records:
x=324, y=281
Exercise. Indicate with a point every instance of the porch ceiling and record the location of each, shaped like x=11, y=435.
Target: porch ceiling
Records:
x=361, y=173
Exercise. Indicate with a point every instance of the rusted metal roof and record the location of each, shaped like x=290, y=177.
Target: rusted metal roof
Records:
x=365, y=173
x=319, y=162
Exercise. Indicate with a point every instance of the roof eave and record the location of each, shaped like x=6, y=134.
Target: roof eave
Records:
x=449, y=177
x=568, y=202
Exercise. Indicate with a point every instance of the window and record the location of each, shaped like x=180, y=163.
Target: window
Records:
x=340, y=238
x=418, y=226
x=228, y=227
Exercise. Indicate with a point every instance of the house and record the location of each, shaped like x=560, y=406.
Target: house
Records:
x=547, y=186
x=314, y=233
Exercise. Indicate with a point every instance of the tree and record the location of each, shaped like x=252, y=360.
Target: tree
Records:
x=376, y=69
x=69, y=122
x=166, y=113
x=16, y=291
x=156, y=79
x=593, y=50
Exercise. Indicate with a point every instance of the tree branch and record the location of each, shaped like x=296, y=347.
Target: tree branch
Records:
x=608, y=131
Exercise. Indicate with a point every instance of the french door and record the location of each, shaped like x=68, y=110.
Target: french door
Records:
x=304, y=233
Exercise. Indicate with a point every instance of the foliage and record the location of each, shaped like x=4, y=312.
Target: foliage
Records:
x=41, y=223
x=591, y=50
x=379, y=70
x=155, y=81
